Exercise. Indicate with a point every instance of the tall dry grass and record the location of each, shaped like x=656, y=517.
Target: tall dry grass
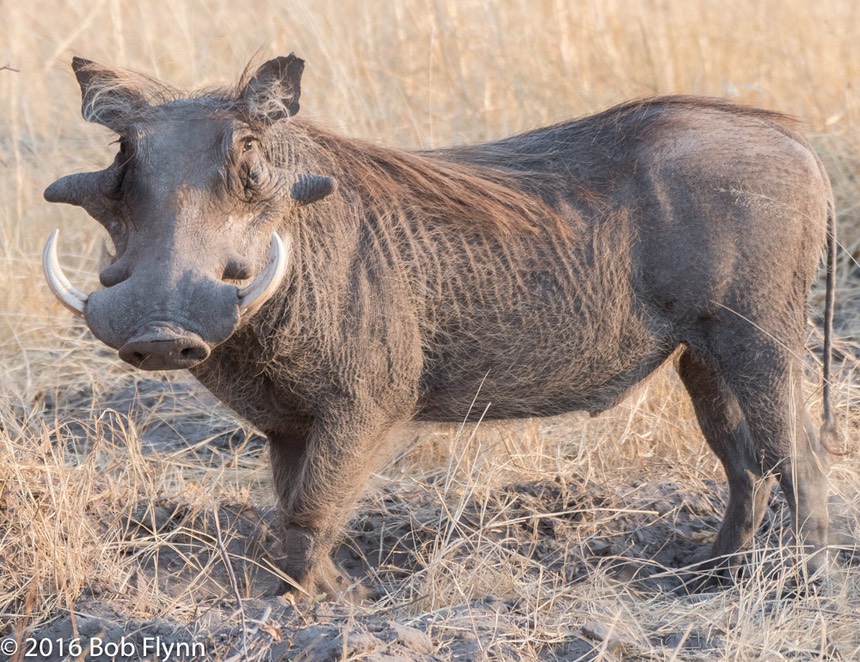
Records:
x=410, y=73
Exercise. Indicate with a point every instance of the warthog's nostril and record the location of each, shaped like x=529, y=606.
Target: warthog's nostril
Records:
x=195, y=353
x=163, y=349
x=135, y=358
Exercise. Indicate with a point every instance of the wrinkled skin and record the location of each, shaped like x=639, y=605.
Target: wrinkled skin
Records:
x=541, y=274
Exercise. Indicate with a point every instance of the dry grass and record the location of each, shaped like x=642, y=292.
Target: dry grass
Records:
x=413, y=73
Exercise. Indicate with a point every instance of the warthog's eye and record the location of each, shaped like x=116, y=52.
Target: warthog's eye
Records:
x=247, y=144
x=125, y=151
x=123, y=156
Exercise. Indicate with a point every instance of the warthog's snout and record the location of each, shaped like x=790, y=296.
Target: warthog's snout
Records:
x=168, y=318
x=164, y=348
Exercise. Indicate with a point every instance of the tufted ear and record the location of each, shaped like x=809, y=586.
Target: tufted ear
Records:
x=108, y=96
x=273, y=93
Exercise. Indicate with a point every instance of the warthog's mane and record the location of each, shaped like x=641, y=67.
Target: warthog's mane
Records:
x=397, y=184
x=520, y=183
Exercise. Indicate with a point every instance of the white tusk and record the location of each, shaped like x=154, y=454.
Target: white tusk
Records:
x=69, y=295
x=256, y=293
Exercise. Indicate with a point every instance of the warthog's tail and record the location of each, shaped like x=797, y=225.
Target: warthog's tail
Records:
x=829, y=433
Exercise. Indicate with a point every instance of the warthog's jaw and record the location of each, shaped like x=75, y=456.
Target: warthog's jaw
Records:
x=163, y=344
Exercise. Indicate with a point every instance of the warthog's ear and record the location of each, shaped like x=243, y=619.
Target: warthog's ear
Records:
x=108, y=96
x=273, y=93
x=311, y=188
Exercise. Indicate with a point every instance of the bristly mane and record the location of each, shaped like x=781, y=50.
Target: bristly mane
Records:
x=511, y=185
x=395, y=183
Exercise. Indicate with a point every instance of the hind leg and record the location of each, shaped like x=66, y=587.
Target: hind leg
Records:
x=725, y=429
x=804, y=484
x=762, y=375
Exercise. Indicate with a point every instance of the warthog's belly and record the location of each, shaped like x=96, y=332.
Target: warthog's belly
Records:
x=511, y=380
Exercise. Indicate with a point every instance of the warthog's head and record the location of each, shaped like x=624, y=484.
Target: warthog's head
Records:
x=192, y=202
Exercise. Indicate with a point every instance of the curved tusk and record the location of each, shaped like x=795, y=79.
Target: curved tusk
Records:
x=69, y=295
x=256, y=293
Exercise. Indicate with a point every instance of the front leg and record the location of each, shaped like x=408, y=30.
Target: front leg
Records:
x=318, y=478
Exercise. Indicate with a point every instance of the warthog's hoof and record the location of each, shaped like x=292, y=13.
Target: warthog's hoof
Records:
x=326, y=582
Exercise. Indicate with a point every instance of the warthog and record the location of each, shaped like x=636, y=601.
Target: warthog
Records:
x=328, y=289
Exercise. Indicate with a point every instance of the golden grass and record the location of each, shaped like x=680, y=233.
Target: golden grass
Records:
x=411, y=73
